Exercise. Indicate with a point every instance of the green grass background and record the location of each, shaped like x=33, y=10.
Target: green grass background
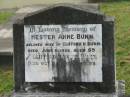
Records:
x=5, y=16
x=6, y=80
x=121, y=12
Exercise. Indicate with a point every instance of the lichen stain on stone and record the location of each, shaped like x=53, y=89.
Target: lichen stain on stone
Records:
x=67, y=69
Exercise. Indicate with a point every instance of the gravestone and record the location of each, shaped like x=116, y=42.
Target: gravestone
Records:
x=64, y=51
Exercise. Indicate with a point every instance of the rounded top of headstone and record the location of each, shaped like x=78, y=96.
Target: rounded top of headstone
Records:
x=65, y=14
x=92, y=8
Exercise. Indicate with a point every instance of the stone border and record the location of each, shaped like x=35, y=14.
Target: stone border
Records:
x=120, y=93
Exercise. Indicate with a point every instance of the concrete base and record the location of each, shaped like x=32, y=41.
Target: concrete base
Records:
x=120, y=93
x=62, y=95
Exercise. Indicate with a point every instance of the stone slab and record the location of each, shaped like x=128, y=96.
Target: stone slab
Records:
x=63, y=15
x=63, y=95
x=119, y=93
x=21, y=3
x=121, y=88
x=6, y=38
x=6, y=46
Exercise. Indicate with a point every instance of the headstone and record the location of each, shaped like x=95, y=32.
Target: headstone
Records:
x=64, y=51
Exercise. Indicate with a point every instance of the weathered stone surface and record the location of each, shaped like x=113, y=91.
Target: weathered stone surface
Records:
x=120, y=93
x=20, y=3
x=6, y=38
x=63, y=95
x=70, y=14
x=121, y=88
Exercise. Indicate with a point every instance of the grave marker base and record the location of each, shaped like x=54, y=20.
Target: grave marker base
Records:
x=120, y=92
x=63, y=95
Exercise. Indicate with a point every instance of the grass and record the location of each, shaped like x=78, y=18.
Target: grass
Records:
x=5, y=16
x=121, y=12
x=6, y=82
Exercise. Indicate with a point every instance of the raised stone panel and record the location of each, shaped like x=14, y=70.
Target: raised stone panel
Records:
x=65, y=16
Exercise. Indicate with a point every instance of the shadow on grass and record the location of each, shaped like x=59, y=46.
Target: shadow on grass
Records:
x=6, y=60
x=6, y=75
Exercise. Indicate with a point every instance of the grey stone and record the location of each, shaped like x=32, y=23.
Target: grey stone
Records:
x=63, y=95
x=20, y=3
x=121, y=88
x=66, y=14
x=120, y=93
x=6, y=39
